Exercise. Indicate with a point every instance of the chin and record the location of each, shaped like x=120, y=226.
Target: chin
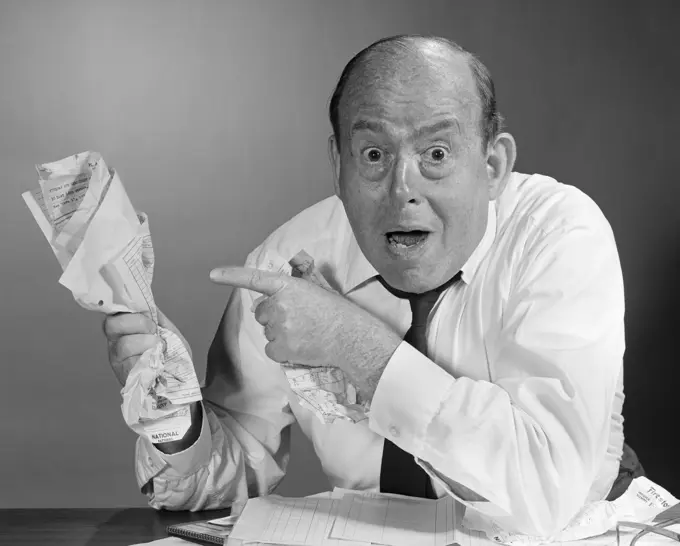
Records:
x=410, y=280
x=419, y=285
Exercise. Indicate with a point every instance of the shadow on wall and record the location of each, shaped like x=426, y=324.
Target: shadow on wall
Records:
x=652, y=331
x=305, y=475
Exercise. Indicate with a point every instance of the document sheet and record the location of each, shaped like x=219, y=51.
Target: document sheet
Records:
x=350, y=518
x=104, y=248
x=397, y=520
x=359, y=518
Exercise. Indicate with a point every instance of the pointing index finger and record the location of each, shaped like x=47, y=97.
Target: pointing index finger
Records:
x=264, y=282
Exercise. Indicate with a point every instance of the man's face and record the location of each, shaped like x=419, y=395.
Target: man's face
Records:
x=412, y=172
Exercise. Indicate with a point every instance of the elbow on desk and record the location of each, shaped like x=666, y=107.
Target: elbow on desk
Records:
x=548, y=513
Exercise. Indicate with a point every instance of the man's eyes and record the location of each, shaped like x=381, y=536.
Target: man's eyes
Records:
x=372, y=155
x=436, y=154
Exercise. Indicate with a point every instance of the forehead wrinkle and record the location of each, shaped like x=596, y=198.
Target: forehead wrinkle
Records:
x=422, y=78
x=412, y=133
x=397, y=87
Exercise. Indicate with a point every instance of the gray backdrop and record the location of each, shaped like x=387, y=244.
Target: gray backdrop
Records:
x=214, y=114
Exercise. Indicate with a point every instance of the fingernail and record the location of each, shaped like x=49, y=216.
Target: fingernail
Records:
x=215, y=274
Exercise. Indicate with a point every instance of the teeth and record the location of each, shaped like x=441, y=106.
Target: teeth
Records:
x=399, y=245
x=406, y=239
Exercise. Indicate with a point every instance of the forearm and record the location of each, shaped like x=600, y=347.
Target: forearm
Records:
x=367, y=346
x=534, y=462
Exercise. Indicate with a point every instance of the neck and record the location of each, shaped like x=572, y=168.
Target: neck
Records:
x=408, y=295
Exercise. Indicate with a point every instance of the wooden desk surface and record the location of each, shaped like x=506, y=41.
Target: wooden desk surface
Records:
x=108, y=527
x=90, y=527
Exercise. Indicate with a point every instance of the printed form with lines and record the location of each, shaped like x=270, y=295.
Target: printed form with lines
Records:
x=352, y=518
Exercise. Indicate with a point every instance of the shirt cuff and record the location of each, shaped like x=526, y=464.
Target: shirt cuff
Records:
x=152, y=461
x=408, y=397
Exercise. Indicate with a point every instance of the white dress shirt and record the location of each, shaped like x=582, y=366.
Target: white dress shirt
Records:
x=519, y=403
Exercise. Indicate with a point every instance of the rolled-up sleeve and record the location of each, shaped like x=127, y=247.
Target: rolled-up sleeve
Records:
x=531, y=440
x=243, y=447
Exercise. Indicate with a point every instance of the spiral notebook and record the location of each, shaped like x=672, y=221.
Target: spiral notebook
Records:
x=212, y=531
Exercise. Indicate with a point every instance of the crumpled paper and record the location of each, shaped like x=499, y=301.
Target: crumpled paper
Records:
x=105, y=251
x=641, y=503
x=326, y=392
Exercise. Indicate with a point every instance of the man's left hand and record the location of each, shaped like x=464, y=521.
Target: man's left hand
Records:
x=305, y=324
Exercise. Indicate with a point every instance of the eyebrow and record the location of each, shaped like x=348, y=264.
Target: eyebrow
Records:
x=438, y=127
x=367, y=125
x=380, y=127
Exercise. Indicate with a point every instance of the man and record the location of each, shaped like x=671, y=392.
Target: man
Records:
x=507, y=390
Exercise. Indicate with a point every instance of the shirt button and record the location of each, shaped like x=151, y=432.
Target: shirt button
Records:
x=394, y=431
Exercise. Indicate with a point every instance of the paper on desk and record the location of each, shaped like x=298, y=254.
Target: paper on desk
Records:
x=398, y=520
x=279, y=520
x=352, y=518
x=325, y=391
x=641, y=503
x=105, y=251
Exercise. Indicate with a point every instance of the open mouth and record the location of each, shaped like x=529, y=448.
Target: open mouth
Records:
x=401, y=240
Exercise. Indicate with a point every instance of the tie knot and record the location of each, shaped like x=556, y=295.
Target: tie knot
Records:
x=421, y=304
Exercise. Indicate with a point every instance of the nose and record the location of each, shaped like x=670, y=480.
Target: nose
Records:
x=404, y=187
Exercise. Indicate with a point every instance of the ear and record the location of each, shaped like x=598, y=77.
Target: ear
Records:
x=500, y=161
x=334, y=157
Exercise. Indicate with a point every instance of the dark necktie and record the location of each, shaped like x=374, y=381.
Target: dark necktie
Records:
x=399, y=472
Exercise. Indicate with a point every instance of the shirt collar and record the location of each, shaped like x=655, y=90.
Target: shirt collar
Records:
x=358, y=269
x=471, y=266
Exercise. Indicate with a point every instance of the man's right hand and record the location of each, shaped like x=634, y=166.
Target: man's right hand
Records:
x=128, y=336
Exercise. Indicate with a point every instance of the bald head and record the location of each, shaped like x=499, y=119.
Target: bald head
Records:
x=404, y=65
